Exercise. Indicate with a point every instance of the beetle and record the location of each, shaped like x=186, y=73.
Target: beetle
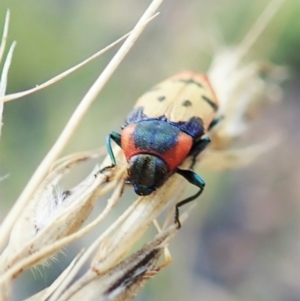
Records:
x=167, y=125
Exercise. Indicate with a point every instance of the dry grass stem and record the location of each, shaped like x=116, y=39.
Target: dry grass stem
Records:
x=64, y=74
x=239, y=87
x=259, y=26
x=3, y=82
x=4, y=35
x=4, y=74
x=73, y=123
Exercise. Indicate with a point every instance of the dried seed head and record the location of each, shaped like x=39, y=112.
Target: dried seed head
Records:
x=124, y=280
x=51, y=215
x=241, y=91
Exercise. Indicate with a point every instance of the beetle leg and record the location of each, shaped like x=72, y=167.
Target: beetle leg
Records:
x=215, y=122
x=117, y=138
x=194, y=179
x=197, y=148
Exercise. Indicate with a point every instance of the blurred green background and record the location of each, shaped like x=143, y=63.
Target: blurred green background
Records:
x=242, y=241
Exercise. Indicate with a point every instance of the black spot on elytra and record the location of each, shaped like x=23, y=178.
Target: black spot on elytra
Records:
x=210, y=102
x=186, y=103
x=161, y=98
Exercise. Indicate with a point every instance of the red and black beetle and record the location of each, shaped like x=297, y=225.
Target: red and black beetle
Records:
x=168, y=124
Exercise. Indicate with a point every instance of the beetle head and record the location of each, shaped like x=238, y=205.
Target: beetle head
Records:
x=147, y=173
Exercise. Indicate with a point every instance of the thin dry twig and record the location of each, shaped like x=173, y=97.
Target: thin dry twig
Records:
x=62, y=75
x=6, y=66
x=257, y=29
x=4, y=35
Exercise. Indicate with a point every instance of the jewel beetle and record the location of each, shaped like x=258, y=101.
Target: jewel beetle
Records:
x=167, y=125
